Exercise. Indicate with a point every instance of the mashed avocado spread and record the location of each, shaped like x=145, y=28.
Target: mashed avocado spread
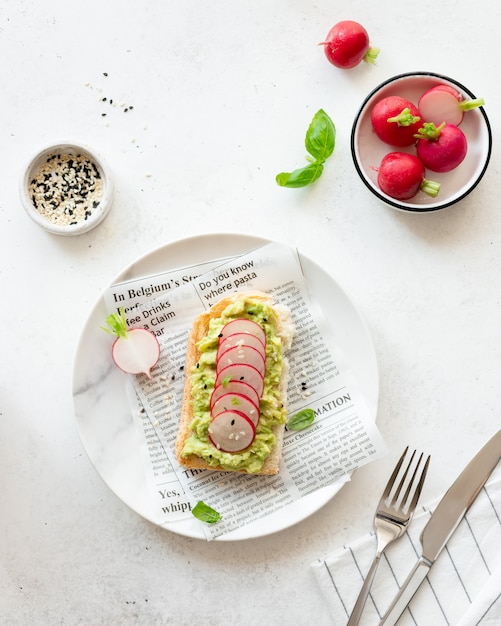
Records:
x=203, y=375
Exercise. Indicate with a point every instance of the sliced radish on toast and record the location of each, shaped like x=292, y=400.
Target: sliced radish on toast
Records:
x=237, y=387
x=241, y=339
x=231, y=431
x=242, y=372
x=236, y=402
x=242, y=354
x=241, y=325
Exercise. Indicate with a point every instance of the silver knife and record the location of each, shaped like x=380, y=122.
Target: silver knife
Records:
x=444, y=521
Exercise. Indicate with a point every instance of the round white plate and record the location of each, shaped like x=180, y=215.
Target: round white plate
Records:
x=102, y=408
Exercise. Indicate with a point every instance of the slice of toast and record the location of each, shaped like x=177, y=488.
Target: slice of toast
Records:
x=200, y=329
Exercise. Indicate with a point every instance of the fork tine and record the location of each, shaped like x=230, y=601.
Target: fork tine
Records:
x=419, y=487
x=411, y=482
x=393, y=477
x=402, y=481
x=412, y=489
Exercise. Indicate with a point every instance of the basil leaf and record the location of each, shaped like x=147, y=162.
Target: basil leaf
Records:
x=205, y=513
x=321, y=136
x=301, y=177
x=319, y=141
x=301, y=420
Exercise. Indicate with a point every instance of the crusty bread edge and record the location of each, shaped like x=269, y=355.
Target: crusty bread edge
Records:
x=198, y=331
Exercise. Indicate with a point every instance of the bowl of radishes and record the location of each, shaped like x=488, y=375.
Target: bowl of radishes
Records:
x=421, y=141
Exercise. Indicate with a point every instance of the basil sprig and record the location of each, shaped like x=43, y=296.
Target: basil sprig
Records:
x=301, y=419
x=205, y=513
x=319, y=142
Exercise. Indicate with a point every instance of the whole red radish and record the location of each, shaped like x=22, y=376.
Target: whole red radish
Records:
x=347, y=44
x=402, y=175
x=135, y=350
x=441, y=148
x=395, y=121
x=443, y=103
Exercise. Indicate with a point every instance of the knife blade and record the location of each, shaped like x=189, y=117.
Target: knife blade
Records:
x=444, y=521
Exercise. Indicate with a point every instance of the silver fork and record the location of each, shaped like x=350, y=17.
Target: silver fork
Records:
x=392, y=518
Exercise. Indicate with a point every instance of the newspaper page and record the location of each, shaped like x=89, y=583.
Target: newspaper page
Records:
x=131, y=294
x=342, y=437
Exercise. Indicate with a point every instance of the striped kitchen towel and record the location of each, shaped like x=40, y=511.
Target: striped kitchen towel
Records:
x=462, y=589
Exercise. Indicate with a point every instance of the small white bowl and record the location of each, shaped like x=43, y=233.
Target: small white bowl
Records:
x=64, y=217
x=368, y=150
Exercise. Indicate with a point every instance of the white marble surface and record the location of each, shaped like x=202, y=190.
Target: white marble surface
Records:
x=222, y=94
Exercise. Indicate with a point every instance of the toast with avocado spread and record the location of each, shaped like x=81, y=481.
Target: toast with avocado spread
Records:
x=234, y=401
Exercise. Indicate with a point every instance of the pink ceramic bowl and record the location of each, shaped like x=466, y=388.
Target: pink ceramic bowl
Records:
x=368, y=150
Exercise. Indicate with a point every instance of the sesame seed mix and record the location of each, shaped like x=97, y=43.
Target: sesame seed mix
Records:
x=66, y=189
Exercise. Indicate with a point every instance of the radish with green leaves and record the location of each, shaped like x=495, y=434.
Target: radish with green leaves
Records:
x=443, y=103
x=395, y=121
x=442, y=148
x=402, y=175
x=347, y=45
x=135, y=350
